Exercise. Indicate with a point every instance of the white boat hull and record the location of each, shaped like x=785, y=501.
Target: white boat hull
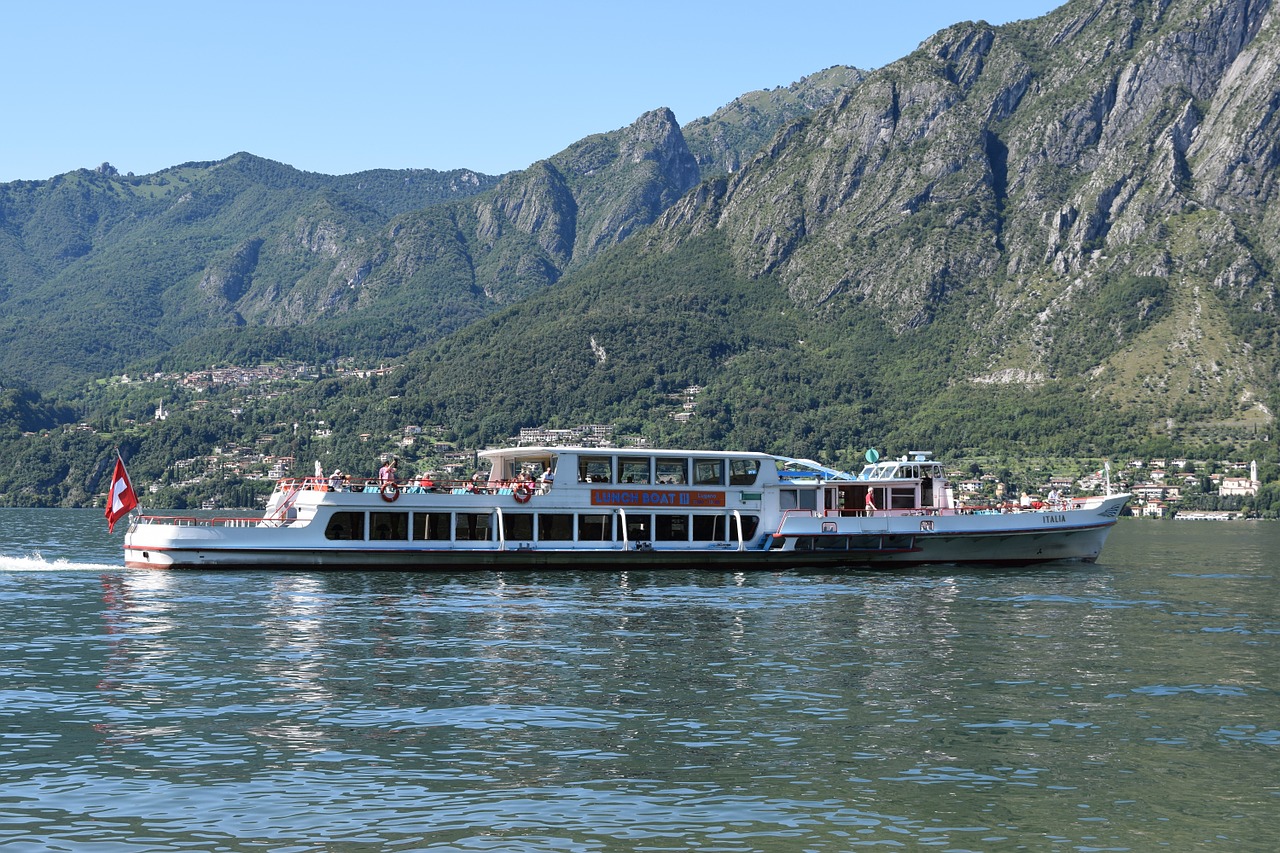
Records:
x=1019, y=539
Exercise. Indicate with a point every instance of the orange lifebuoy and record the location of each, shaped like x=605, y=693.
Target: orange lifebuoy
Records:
x=522, y=494
x=390, y=492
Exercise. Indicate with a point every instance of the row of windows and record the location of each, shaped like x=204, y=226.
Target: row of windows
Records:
x=667, y=471
x=549, y=527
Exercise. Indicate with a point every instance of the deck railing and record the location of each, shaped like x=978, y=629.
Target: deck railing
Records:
x=194, y=521
x=372, y=485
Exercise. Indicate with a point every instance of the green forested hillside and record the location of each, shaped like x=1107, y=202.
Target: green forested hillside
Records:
x=630, y=330
x=618, y=344
x=101, y=270
x=1051, y=237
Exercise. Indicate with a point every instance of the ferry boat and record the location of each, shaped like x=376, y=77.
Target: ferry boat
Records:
x=616, y=508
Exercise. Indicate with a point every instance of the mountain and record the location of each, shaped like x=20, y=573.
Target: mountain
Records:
x=1057, y=231
x=1053, y=235
x=1086, y=197
x=225, y=260
x=727, y=138
x=98, y=270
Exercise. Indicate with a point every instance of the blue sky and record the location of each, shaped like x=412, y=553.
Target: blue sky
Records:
x=342, y=87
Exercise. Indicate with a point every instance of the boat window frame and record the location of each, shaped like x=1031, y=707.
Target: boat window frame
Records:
x=518, y=526
x=556, y=526
x=903, y=497
x=583, y=522
x=397, y=528
x=356, y=529
x=719, y=523
x=744, y=472
x=798, y=498
x=428, y=522
x=670, y=462
x=639, y=527
x=715, y=477
x=586, y=474
x=665, y=526
x=488, y=523
x=627, y=466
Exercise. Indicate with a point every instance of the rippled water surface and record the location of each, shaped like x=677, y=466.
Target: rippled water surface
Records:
x=1129, y=705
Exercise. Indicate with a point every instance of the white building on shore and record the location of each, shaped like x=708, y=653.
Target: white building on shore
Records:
x=1240, y=485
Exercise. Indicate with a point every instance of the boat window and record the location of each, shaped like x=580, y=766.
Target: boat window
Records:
x=431, y=525
x=797, y=499
x=708, y=472
x=671, y=528
x=595, y=469
x=902, y=498
x=639, y=527
x=595, y=528
x=473, y=526
x=345, y=525
x=672, y=472
x=385, y=526
x=743, y=472
x=634, y=471
x=750, y=523
x=518, y=525
x=555, y=527
x=709, y=528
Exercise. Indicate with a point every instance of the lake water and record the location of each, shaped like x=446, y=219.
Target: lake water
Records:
x=1130, y=705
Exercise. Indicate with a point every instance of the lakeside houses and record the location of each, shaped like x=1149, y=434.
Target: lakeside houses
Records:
x=1159, y=485
x=1241, y=485
x=1153, y=509
x=588, y=435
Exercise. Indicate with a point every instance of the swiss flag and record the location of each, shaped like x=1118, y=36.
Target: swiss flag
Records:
x=121, y=497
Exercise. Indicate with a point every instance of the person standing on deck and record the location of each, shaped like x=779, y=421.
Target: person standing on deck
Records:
x=387, y=473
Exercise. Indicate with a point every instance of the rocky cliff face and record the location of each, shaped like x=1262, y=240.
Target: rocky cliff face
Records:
x=1025, y=174
x=539, y=223
x=1086, y=197
x=723, y=141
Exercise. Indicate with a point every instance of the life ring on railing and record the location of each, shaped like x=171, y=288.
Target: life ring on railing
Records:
x=522, y=494
x=390, y=492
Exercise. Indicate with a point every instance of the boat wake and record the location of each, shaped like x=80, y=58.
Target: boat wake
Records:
x=35, y=562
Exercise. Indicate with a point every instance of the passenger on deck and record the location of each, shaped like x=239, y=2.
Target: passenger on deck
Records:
x=335, y=480
x=546, y=480
x=387, y=473
x=871, y=503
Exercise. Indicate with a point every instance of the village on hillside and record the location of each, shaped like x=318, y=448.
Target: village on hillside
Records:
x=1161, y=488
